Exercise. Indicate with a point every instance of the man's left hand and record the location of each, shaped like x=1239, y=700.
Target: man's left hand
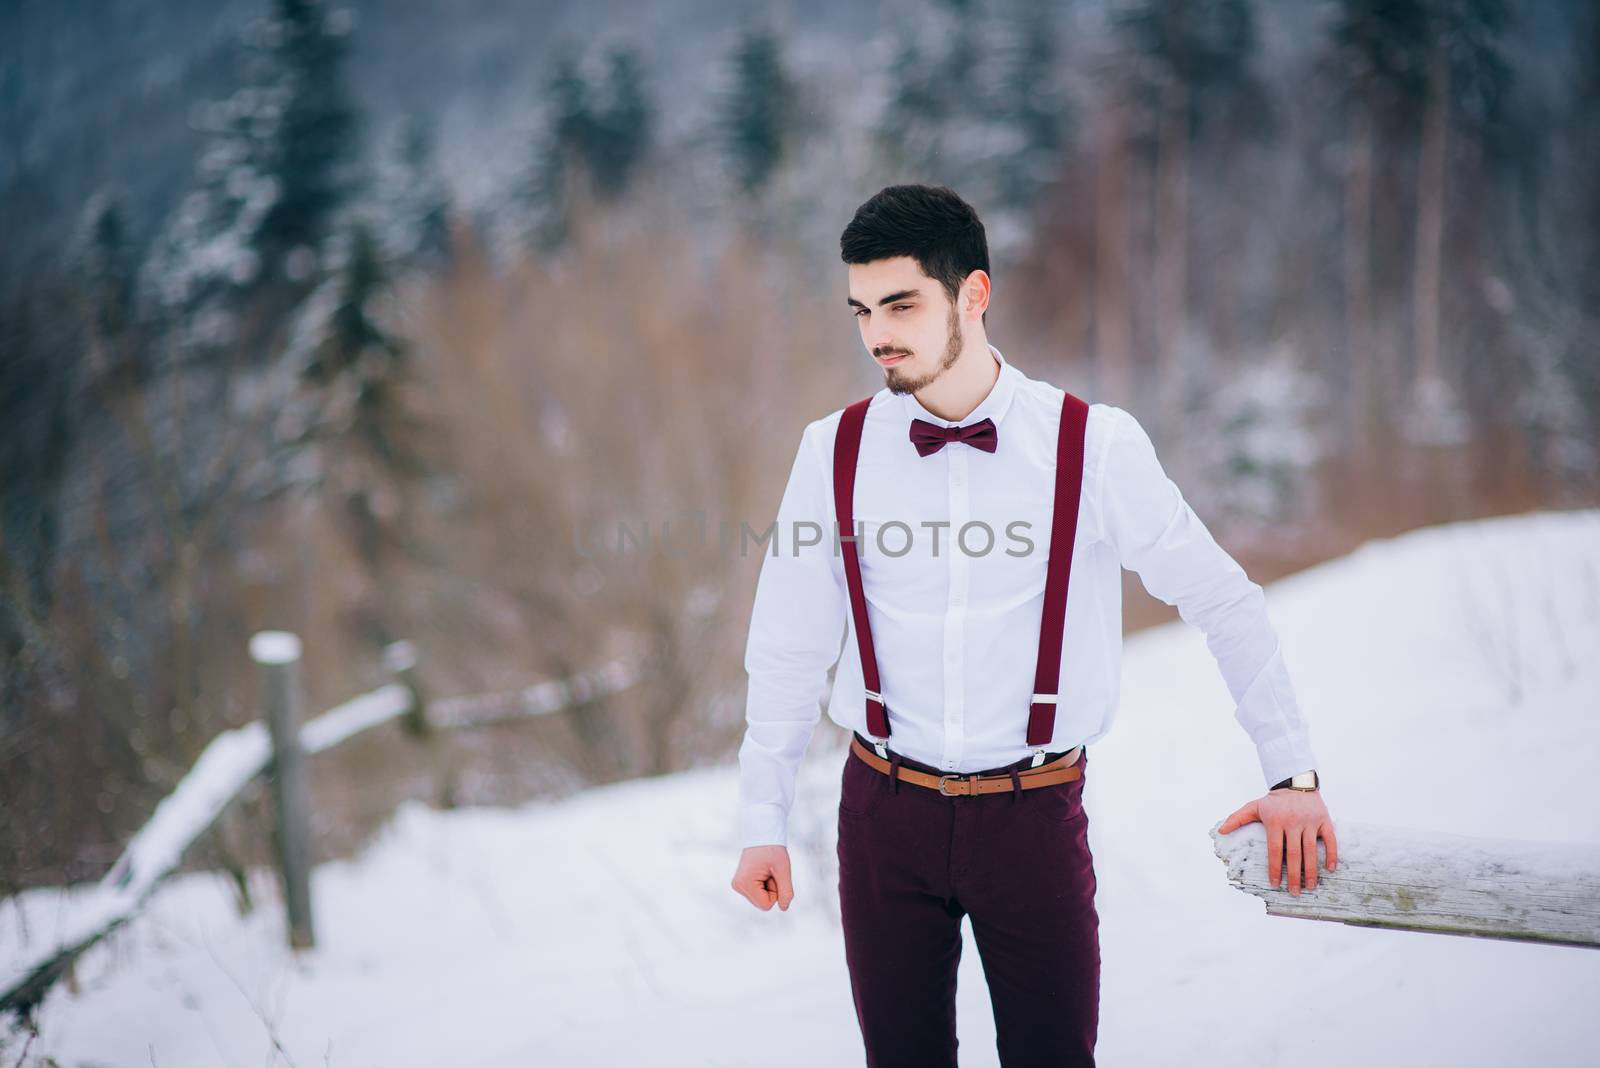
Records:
x=1294, y=819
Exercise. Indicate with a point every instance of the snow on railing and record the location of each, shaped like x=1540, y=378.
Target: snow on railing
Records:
x=1428, y=881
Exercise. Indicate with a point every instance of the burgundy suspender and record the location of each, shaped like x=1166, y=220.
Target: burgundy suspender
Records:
x=846, y=447
x=1063, y=535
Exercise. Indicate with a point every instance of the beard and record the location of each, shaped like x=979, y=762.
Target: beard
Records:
x=899, y=382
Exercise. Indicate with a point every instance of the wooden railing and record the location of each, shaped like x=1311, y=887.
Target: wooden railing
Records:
x=277, y=744
x=1427, y=881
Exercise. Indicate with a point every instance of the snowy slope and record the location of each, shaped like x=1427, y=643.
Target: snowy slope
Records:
x=601, y=930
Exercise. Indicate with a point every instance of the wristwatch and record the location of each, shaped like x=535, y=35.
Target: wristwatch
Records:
x=1306, y=780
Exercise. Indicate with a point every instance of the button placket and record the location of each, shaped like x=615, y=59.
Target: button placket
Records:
x=958, y=570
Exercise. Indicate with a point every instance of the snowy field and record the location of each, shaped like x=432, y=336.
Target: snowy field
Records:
x=1452, y=680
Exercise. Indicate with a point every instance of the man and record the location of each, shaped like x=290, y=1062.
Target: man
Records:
x=991, y=515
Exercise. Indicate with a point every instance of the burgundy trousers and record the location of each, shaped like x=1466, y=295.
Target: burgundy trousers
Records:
x=912, y=863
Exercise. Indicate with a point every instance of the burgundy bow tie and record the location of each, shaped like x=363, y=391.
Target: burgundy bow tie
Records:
x=930, y=437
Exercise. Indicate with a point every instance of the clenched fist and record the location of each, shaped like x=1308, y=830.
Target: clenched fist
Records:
x=763, y=877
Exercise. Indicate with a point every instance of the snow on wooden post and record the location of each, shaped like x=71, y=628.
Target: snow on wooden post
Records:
x=1428, y=881
x=278, y=653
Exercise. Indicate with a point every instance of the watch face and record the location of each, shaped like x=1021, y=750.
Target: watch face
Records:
x=1306, y=780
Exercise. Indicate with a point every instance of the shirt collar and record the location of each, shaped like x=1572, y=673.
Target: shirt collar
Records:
x=993, y=406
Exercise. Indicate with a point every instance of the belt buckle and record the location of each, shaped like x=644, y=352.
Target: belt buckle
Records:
x=942, y=780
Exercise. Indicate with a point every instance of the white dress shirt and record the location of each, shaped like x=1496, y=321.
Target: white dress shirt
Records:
x=955, y=629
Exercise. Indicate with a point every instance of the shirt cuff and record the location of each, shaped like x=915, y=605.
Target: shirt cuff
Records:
x=1285, y=756
x=763, y=824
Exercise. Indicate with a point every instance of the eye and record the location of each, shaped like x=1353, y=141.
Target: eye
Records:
x=859, y=312
x=902, y=307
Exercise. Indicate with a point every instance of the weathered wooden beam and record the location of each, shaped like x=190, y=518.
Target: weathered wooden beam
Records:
x=1429, y=881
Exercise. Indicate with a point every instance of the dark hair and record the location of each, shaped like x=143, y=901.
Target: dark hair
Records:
x=929, y=223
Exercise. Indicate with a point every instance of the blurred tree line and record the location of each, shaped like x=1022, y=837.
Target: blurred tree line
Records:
x=1345, y=253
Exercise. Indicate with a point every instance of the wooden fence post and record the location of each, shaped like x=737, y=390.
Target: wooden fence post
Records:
x=400, y=658
x=278, y=653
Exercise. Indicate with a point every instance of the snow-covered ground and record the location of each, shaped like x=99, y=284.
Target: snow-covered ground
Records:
x=1452, y=680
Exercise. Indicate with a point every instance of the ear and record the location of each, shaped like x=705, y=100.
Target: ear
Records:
x=975, y=294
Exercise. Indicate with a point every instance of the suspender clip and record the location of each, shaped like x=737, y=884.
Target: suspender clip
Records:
x=880, y=744
x=1043, y=699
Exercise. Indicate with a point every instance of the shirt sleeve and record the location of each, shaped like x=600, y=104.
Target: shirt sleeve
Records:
x=1158, y=535
x=796, y=634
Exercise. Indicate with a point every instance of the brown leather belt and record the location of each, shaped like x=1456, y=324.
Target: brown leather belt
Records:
x=1062, y=769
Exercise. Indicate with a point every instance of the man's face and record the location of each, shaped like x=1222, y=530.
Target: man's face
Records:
x=911, y=329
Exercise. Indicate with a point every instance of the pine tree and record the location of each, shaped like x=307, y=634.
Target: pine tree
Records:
x=355, y=425
x=1192, y=57
x=594, y=138
x=558, y=157
x=209, y=252
x=345, y=350
x=103, y=263
x=314, y=146
x=1379, y=47
x=622, y=124
x=1466, y=82
x=101, y=260
x=355, y=414
x=1031, y=103
x=930, y=87
x=754, y=112
x=410, y=200
x=276, y=166
x=1191, y=68
x=572, y=125
x=975, y=102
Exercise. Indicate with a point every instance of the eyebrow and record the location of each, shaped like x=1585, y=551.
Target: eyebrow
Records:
x=904, y=294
